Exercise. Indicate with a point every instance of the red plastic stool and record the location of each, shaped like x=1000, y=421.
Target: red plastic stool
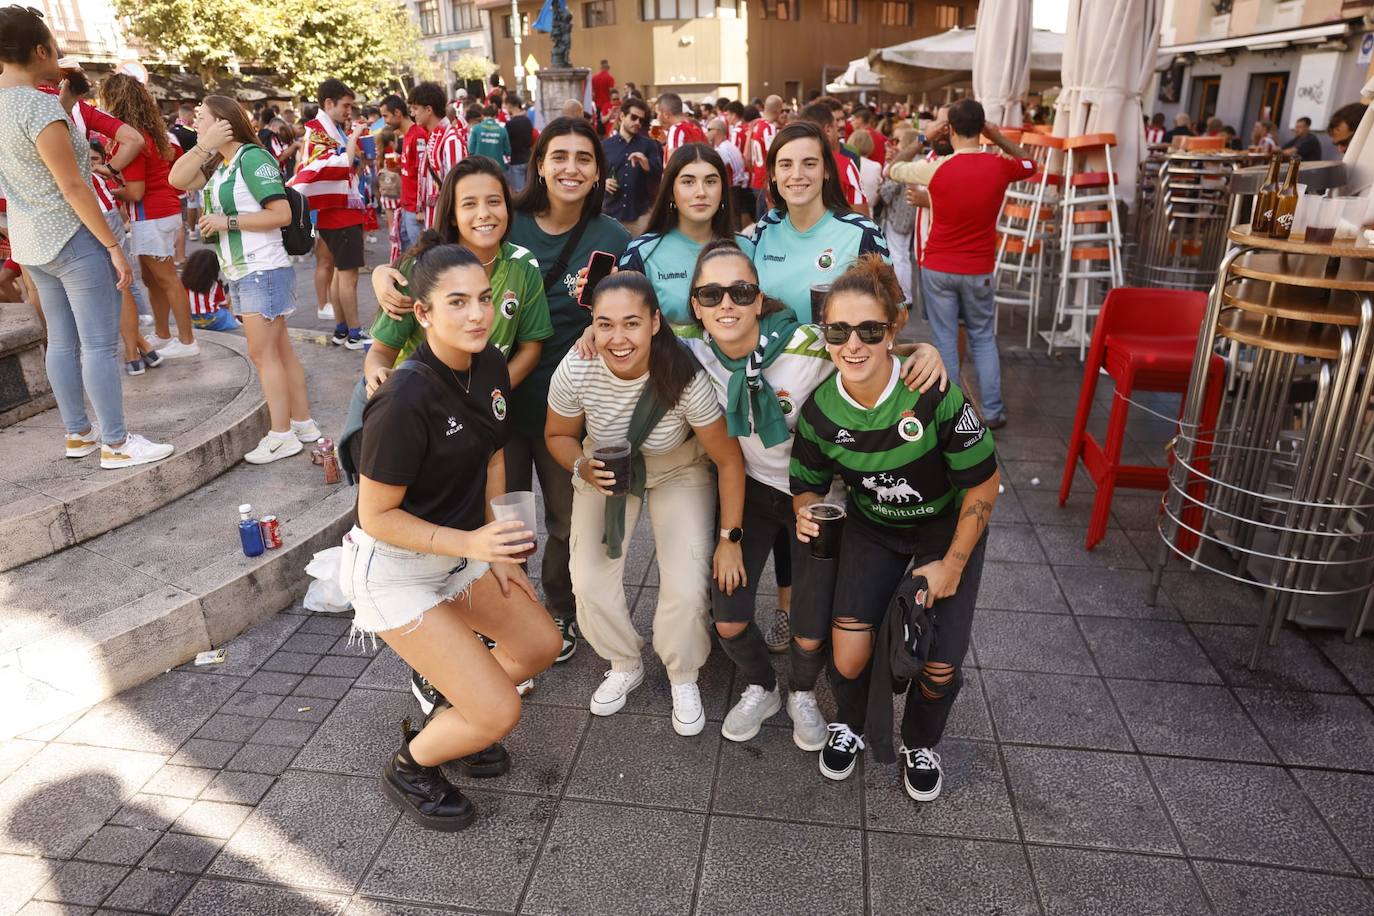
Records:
x=1145, y=339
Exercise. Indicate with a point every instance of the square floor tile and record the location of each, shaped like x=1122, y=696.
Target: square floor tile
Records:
x=1084, y=883
x=640, y=759
x=497, y=852
x=1245, y=890
x=541, y=750
x=1136, y=513
x=182, y=782
x=1020, y=587
x=602, y=858
x=182, y=852
x=973, y=797
x=1199, y=720
x=150, y=891
x=955, y=877
x=213, y=897
x=1064, y=547
x=1087, y=798
x=156, y=716
x=1030, y=642
x=263, y=758
x=762, y=776
x=1293, y=664
x=362, y=731
x=82, y=883
x=1058, y=709
x=117, y=845
x=1096, y=592
x=213, y=819
x=385, y=671
x=1354, y=659
x=203, y=752
x=816, y=870
x=1315, y=729
x=150, y=812
x=1156, y=650
x=1246, y=813
x=1013, y=544
x=1204, y=597
x=969, y=718
x=1346, y=800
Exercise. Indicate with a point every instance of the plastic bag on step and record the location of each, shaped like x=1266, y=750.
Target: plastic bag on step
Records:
x=324, y=595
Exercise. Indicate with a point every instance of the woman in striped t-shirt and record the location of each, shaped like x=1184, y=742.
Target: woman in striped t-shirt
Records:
x=644, y=386
x=245, y=208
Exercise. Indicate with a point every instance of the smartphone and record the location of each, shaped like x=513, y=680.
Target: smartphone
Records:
x=598, y=269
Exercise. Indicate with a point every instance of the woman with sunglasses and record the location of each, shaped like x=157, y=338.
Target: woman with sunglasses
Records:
x=920, y=474
x=811, y=235
x=692, y=209
x=763, y=366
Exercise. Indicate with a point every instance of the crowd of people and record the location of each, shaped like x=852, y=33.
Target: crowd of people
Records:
x=652, y=307
x=1264, y=133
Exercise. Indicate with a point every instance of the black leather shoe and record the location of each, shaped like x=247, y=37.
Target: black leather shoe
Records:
x=422, y=793
x=486, y=763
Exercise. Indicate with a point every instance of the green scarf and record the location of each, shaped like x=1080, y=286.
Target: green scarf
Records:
x=648, y=411
x=749, y=394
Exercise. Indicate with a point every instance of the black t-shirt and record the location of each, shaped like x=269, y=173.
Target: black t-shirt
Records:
x=422, y=431
x=521, y=133
x=1307, y=146
x=186, y=137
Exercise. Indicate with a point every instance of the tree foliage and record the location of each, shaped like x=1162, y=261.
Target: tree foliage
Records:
x=206, y=36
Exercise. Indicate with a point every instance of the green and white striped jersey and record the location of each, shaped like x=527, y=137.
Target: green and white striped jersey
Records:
x=245, y=185
x=905, y=460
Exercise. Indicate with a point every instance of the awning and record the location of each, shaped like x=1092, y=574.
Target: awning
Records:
x=940, y=60
x=857, y=77
x=1267, y=41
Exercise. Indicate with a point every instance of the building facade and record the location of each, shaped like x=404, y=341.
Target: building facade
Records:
x=1250, y=60
x=451, y=30
x=737, y=48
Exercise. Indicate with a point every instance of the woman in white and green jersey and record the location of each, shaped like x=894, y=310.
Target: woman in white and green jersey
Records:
x=763, y=365
x=920, y=475
x=693, y=208
x=811, y=236
x=245, y=206
x=474, y=211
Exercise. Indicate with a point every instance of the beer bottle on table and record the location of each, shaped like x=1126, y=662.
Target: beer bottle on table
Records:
x=1287, y=204
x=1266, y=200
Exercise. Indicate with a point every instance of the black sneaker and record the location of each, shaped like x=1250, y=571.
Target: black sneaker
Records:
x=486, y=640
x=486, y=763
x=340, y=338
x=840, y=752
x=921, y=773
x=568, y=627
x=423, y=793
x=425, y=692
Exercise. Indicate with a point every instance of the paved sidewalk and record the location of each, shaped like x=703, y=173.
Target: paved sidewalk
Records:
x=1105, y=757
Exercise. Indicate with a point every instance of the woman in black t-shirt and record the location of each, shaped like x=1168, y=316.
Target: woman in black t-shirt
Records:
x=425, y=566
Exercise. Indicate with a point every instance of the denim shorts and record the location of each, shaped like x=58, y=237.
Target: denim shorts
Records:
x=269, y=293
x=392, y=587
x=155, y=238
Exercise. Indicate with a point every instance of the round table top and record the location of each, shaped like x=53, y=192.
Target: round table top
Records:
x=1295, y=270
x=1341, y=248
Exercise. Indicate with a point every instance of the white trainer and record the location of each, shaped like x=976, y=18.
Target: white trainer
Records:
x=135, y=450
x=271, y=448
x=688, y=716
x=307, y=430
x=809, y=730
x=157, y=343
x=609, y=698
x=326, y=313
x=175, y=349
x=79, y=446
x=746, y=717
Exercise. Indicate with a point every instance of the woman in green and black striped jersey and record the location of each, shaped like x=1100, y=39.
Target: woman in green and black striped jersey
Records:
x=921, y=478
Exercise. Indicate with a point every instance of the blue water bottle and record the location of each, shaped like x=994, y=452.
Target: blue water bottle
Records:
x=250, y=532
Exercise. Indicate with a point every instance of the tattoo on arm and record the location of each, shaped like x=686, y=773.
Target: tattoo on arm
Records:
x=979, y=512
x=960, y=556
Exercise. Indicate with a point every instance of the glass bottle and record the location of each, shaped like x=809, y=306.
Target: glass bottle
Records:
x=1266, y=200
x=1287, y=204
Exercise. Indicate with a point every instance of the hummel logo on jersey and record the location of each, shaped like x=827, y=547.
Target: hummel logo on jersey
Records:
x=268, y=172
x=968, y=421
x=843, y=437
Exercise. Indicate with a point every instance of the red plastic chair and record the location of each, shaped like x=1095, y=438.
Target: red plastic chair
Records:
x=1145, y=339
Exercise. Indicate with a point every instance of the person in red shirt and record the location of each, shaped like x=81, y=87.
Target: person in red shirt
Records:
x=602, y=84
x=965, y=191
x=759, y=136
x=679, y=128
x=443, y=147
x=155, y=208
x=412, y=140
x=863, y=121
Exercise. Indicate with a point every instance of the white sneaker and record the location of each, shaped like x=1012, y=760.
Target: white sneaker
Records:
x=272, y=448
x=145, y=321
x=157, y=343
x=809, y=730
x=175, y=349
x=307, y=430
x=688, y=716
x=135, y=450
x=609, y=698
x=80, y=446
x=525, y=687
x=326, y=313
x=746, y=717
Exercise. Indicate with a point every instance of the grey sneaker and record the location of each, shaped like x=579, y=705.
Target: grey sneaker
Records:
x=777, y=633
x=748, y=715
x=808, y=725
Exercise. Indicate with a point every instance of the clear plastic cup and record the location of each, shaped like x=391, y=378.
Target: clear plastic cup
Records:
x=1350, y=217
x=1321, y=226
x=518, y=505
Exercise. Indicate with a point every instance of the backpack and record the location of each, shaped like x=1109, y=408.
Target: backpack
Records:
x=298, y=236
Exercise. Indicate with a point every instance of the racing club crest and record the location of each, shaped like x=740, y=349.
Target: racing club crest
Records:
x=785, y=401
x=509, y=304
x=498, y=404
x=826, y=259
x=910, y=428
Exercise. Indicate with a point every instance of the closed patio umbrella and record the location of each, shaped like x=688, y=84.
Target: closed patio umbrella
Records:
x=1001, y=58
x=1359, y=155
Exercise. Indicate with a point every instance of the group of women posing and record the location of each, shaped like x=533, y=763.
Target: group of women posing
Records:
x=482, y=376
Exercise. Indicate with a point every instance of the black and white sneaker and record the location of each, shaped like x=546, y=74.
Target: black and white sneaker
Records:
x=840, y=752
x=486, y=640
x=425, y=692
x=568, y=627
x=922, y=774
x=340, y=338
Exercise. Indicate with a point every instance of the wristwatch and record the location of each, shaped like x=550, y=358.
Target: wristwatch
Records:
x=733, y=535
x=233, y=224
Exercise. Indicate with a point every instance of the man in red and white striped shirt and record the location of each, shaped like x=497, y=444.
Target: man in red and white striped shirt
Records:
x=761, y=133
x=680, y=128
x=328, y=178
x=444, y=148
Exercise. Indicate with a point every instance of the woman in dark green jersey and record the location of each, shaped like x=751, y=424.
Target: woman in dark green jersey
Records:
x=921, y=478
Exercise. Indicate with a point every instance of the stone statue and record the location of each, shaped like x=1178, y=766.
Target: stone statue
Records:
x=561, y=35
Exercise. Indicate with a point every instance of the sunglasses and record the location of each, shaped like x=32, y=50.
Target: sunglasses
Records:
x=870, y=332
x=711, y=294
x=634, y=117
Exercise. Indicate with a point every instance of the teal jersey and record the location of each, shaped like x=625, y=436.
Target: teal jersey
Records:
x=668, y=259
x=905, y=460
x=790, y=262
x=487, y=138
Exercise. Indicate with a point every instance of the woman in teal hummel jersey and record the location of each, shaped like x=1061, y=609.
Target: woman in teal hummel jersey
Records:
x=810, y=236
x=693, y=208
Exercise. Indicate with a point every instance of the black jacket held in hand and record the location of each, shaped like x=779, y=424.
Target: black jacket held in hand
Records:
x=899, y=654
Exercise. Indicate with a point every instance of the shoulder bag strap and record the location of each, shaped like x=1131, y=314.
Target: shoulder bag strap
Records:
x=555, y=272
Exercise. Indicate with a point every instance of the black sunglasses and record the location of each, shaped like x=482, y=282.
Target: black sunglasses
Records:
x=870, y=332
x=711, y=294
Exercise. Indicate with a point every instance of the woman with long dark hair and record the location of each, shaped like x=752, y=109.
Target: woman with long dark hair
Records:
x=426, y=565
x=156, y=211
x=644, y=387
x=811, y=235
x=245, y=207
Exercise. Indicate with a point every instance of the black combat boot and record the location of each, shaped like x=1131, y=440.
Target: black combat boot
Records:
x=422, y=793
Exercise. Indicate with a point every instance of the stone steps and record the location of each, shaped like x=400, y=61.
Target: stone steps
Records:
x=24, y=388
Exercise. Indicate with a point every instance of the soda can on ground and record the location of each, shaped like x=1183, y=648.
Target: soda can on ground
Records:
x=271, y=532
